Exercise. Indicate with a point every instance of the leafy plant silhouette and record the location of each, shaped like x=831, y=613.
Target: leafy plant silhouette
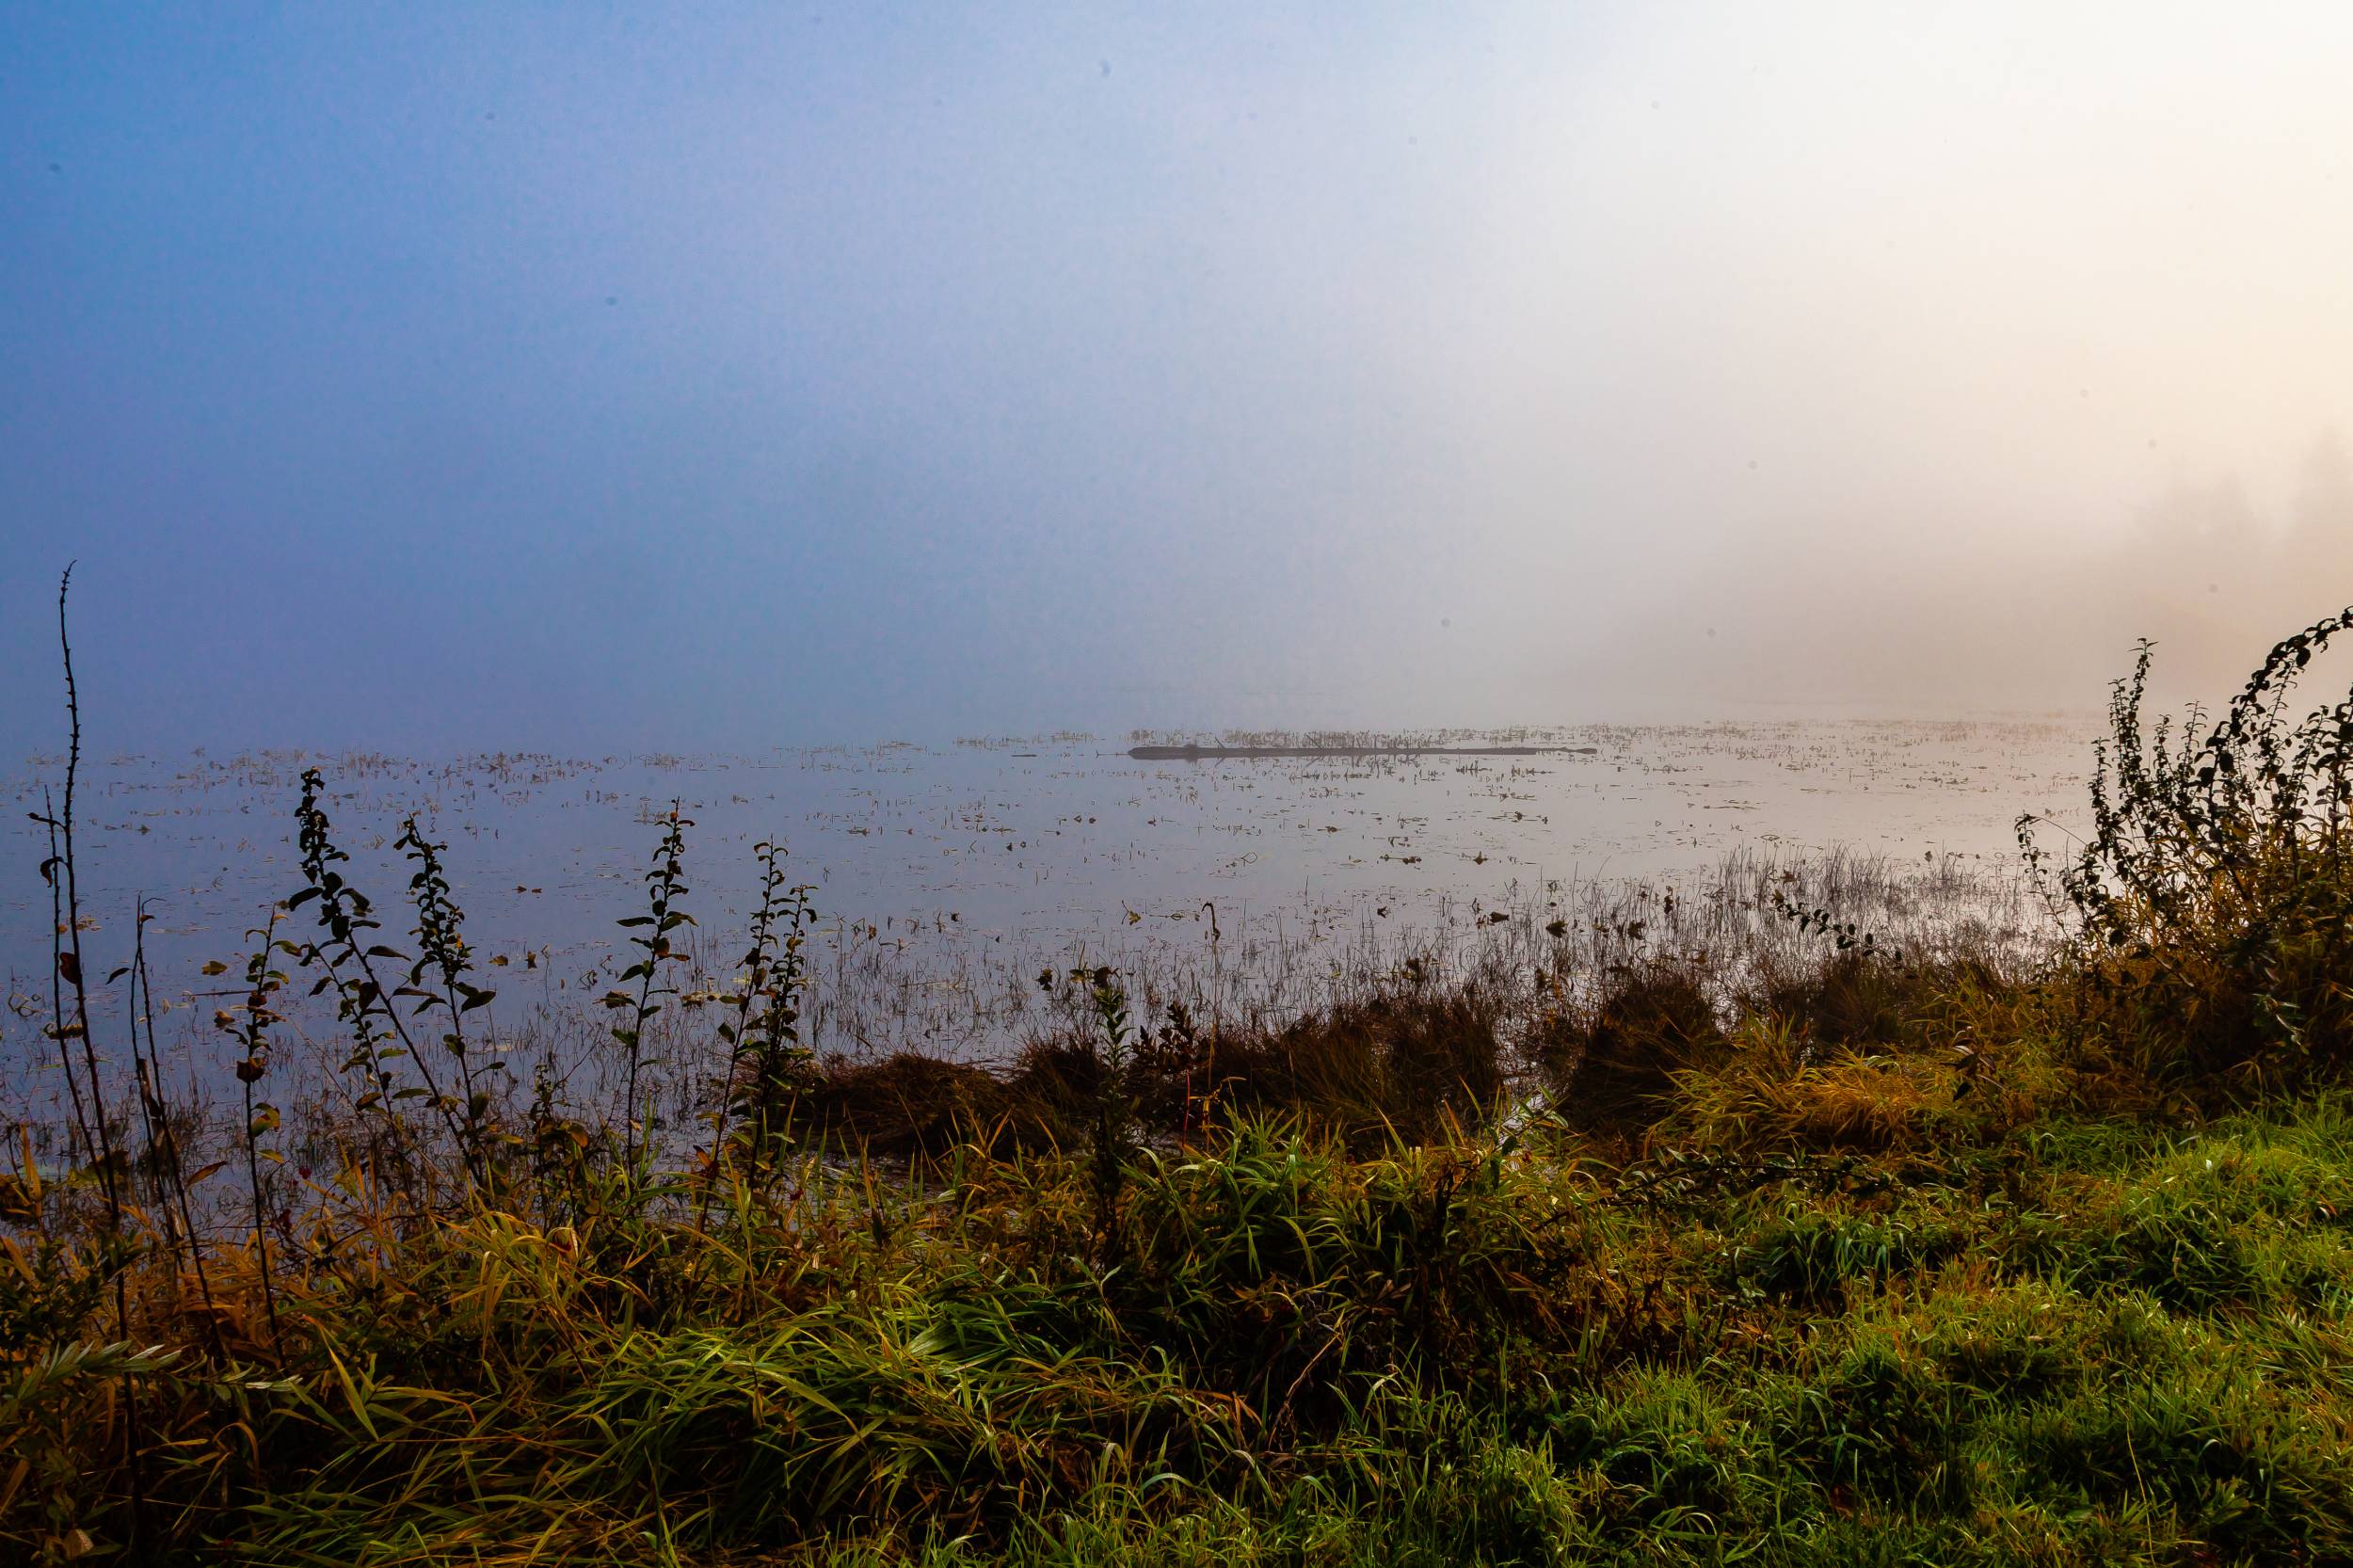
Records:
x=664, y=885
x=380, y=1036
x=767, y=1065
x=441, y=957
x=248, y=1024
x=2209, y=904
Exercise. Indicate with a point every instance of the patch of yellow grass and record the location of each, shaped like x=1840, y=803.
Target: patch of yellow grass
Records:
x=1765, y=1093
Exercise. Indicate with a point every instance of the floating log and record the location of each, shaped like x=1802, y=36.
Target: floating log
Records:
x=1205, y=754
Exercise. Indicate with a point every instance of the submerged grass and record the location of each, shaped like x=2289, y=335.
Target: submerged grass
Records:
x=1819, y=1246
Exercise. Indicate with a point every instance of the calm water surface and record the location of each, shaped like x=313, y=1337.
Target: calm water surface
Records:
x=943, y=875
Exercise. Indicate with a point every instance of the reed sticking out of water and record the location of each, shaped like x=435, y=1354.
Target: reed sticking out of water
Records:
x=169, y=1172
x=70, y=961
x=52, y=872
x=98, y=1136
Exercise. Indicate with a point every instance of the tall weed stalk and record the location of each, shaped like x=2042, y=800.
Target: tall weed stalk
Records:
x=163, y=1139
x=763, y=1031
x=346, y=957
x=664, y=885
x=436, y=981
x=248, y=1024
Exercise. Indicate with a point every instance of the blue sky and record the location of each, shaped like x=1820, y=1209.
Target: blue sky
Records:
x=578, y=376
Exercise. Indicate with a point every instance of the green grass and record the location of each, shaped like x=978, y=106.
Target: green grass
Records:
x=2069, y=1339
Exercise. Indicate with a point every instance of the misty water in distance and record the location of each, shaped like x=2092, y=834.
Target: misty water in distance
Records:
x=968, y=868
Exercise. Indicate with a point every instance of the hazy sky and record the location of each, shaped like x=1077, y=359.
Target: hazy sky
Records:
x=571, y=376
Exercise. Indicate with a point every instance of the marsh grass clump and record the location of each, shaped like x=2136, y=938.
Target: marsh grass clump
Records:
x=1417, y=1066
x=1409, y=1067
x=902, y=1106
x=1615, y=1063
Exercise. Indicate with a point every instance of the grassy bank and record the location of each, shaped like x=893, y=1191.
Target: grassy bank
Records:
x=1830, y=1249
x=1845, y=1312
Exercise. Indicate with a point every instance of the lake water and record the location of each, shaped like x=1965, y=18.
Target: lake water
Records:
x=945, y=878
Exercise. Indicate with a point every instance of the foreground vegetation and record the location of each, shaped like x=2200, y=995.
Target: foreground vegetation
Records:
x=1858, y=1255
